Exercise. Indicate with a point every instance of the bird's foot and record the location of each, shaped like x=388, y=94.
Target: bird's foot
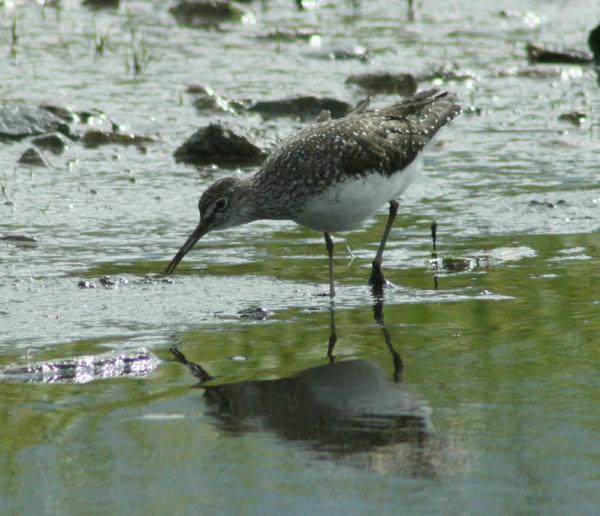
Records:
x=376, y=277
x=377, y=280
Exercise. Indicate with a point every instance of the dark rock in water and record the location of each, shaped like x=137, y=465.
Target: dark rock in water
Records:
x=289, y=35
x=574, y=117
x=86, y=284
x=116, y=282
x=20, y=121
x=206, y=99
x=202, y=13
x=457, y=264
x=55, y=143
x=87, y=117
x=307, y=107
x=547, y=204
x=256, y=313
x=99, y=4
x=555, y=55
x=147, y=280
x=94, y=138
x=64, y=114
x=33, y=158
x=539, y=54
x=399, y=83
x=217, y=103
x=100, y=120
x=217, y=143
x=109, y=281
x=594, y=43
x=19, y=239
x=198, y=89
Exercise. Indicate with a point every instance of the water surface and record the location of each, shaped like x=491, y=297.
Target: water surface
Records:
x=496, y=407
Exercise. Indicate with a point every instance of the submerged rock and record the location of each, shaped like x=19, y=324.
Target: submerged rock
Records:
x=574, y=117
x=86, y=284
x=20, y=121
x=398, y=83
x=257, y=313
x=207, y=99
x=201, y=13
x=453, y=264
x=33, y=158
x=109, y=281
x=537, y=53
x=83, y=117
x=99, y=4
x=594, y=43
x=116, y=282
x=94, y=138
x=55, y=143
x=457, y=263
x=148, y=280
x=218, y=103
x=289, y=35
x=217, y=143
x=19, y=239
x=307, y=107
x=547, y=204
x=555, y=55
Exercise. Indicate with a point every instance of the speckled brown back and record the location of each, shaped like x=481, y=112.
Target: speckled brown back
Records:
x=381, y=141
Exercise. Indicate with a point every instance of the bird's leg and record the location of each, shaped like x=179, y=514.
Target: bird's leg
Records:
x=332, y=333
x=329, y=246
x=434, y=253
x=377, y=279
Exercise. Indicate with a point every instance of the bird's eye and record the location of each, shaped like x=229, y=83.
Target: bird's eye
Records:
x=221, y=204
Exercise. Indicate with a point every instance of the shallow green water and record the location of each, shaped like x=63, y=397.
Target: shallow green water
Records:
x=496, y=407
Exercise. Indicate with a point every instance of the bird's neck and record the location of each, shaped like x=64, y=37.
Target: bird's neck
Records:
x=264, y=201
x=250, y=200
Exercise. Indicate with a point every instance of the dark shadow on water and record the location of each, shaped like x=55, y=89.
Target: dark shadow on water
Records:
x=342, y=409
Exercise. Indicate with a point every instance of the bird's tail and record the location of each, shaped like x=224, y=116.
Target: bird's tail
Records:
x=429, y=110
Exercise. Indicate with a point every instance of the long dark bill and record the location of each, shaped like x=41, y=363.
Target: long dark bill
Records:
x=198, y=233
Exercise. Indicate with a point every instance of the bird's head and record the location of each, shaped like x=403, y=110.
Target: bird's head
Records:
x=221, y=206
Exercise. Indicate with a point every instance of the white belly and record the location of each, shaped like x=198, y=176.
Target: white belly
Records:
x=347, y=205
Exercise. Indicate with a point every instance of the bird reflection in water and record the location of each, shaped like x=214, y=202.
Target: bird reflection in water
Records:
x=343, y=409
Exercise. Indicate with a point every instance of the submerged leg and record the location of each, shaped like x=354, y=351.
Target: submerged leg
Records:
x=397, y=361
x=197, y=370
x=377, y=278
x=329, y=246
